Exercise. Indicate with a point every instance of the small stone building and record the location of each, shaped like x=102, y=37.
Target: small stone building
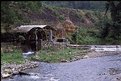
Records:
x=31, y=36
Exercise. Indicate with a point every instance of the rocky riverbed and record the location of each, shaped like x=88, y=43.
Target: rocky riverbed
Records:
x=8, y=70
x=105, y=68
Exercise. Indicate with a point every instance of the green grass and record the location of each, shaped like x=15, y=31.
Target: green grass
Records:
x=50, y=54
x=12, y=57
x=53, y=56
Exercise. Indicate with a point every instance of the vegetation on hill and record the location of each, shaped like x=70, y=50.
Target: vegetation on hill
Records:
x=28, y=12
x=15, y=13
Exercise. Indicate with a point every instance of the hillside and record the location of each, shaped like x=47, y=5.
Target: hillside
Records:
x=89, y=5
x=16, y=13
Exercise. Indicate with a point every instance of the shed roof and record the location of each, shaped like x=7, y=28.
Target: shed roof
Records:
x=27, y=28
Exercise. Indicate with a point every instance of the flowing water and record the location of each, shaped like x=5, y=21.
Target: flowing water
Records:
x=107, y=68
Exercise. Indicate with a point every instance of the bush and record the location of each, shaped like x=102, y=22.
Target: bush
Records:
x=110, y=31
x=85, y=36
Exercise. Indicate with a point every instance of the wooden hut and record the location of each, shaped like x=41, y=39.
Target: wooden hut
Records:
x=34, y=35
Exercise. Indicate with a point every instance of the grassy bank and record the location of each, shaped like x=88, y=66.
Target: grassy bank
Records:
x=45, y=55
x=12, y=57
x=60, y=55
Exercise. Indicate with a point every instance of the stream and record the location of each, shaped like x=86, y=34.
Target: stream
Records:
x=106, y=68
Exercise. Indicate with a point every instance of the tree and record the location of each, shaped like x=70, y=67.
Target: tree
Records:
x=114, y=28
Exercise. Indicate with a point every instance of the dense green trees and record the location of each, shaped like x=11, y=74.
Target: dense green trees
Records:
x=112, y=28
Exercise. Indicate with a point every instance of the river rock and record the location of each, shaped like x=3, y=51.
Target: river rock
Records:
x=5, y=75
x=86, y=56
x=6, y=72
x=9, y=70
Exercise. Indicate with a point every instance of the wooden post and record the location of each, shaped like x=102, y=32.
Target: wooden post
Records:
x=50, y=36
x=36, y=43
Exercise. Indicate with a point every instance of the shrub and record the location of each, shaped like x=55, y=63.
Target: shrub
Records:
x=85, y=36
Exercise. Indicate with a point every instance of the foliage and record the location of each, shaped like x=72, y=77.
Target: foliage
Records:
x=15, y=13
x=85, y=36
x=12, y=57
x=59, y=55
x=12, y=12
x=111, y=28
x=23, y=12
x=61, y=17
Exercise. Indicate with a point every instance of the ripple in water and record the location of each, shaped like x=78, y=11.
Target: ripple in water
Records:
x=34, y=77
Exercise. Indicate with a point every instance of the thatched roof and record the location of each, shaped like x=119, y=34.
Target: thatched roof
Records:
x=27, y=28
